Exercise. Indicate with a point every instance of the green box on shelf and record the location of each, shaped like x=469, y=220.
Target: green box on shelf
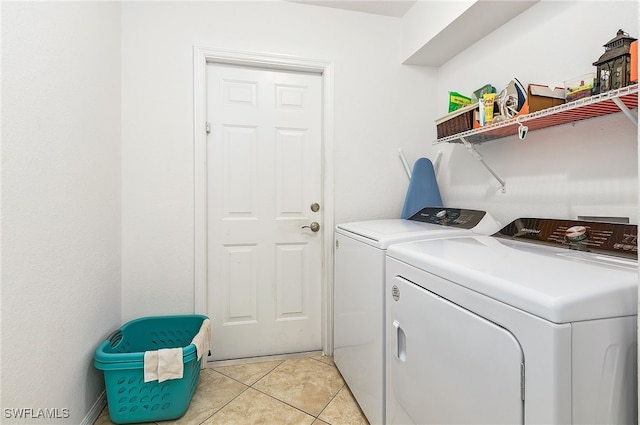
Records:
x=457, y=101
x=487, y=88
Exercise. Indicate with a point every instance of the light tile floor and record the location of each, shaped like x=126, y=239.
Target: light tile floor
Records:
x=293, y=391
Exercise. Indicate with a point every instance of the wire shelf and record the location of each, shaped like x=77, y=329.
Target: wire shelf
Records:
x=602, y=104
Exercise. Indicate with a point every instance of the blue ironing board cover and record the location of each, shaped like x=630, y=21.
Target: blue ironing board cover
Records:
x=423, y=189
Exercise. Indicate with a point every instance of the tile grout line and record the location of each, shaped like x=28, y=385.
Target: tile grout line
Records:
x=329, y=402
x=317, y=417
x=224, y=405
x=259, y=379
x=276, y=398
x=252, y=386
x=260, y=391
x=337, y=392
x=261, y=359
x=284, y=402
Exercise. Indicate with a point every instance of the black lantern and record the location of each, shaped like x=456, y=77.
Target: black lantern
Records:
x=614, y=66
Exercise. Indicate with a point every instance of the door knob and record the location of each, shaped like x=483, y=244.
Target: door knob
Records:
x=313, y=226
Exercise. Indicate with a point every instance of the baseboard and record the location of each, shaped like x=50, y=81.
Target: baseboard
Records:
x=233, y=362
x=95, y=410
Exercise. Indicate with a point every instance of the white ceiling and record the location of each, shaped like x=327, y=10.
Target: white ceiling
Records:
x=395, y=8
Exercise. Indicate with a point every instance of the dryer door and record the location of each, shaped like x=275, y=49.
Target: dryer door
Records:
x=447, y=365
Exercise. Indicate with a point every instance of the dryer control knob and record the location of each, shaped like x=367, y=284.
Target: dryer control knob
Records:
x=442, y=214
x=576, y=233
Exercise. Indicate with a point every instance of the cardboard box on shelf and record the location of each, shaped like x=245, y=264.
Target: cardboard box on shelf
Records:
x=543, y=97
x=634, y=62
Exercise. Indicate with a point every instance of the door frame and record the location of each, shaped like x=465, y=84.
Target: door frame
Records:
x=203, y=55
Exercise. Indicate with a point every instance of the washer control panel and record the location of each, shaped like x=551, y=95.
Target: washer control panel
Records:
x=608, y=238
x=453, y=217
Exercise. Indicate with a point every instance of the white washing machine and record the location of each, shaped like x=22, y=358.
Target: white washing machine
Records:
x=359, y=272
x=534, y=325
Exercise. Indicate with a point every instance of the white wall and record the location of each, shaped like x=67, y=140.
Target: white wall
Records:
x=380, y=105
x=587, y=169
x=60, y=202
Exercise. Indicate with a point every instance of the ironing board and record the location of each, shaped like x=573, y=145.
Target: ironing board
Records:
x=423, y=189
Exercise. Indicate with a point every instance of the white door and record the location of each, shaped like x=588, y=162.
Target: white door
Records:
x=263, y=176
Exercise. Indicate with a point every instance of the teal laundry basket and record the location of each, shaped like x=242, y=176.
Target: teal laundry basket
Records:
x=121, y=357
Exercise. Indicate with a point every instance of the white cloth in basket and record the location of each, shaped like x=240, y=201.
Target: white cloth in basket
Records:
x=202, y=340
x=150, y=366
x=163, y=364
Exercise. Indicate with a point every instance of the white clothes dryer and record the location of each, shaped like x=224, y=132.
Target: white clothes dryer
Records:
x=534, y=325
x=359, y=273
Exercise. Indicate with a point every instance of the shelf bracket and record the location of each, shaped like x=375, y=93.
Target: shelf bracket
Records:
x=625, y=110
x=473, y=151
x=405, y=164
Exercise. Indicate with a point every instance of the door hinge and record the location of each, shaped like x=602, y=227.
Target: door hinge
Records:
x=207, y=127
x=522, y=381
